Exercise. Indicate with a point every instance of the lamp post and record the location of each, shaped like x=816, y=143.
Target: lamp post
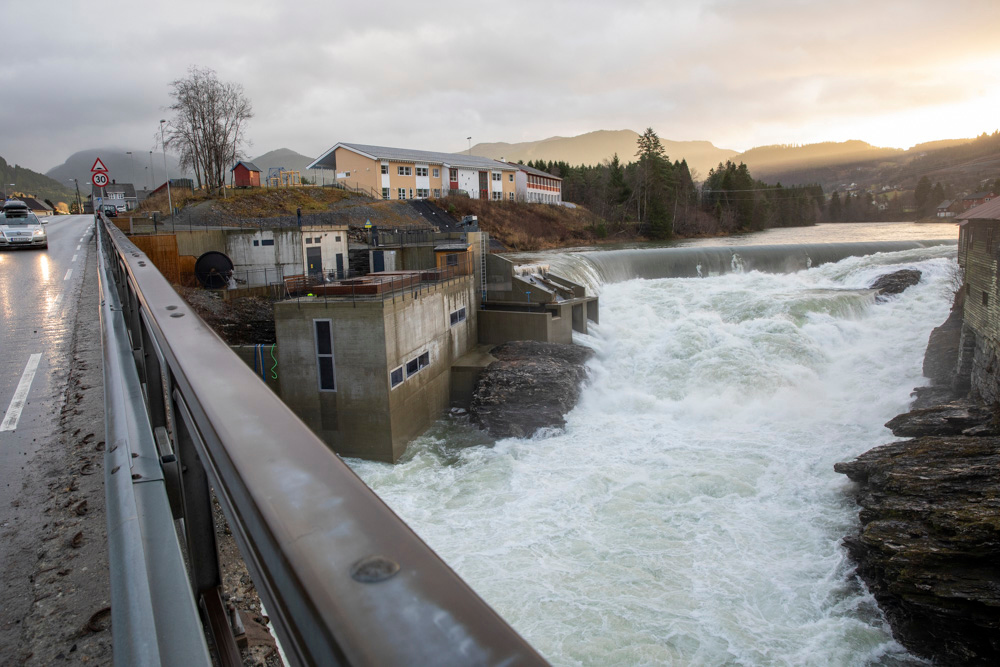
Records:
x=170, y=202
x=152, y=174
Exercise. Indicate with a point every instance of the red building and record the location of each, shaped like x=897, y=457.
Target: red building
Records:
x=246, y=175
x=976, y=199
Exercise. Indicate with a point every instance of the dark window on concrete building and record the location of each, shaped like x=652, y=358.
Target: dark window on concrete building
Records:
x=412, y=366
x=396, y=377
x=424, y=359
x=458, y=316
x=323, y=330
x=267, y=242
x=256, y=242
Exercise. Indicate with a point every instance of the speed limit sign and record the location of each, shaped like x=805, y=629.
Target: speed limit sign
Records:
x=100, y=179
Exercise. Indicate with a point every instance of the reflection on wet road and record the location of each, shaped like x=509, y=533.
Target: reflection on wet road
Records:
x=38, y=295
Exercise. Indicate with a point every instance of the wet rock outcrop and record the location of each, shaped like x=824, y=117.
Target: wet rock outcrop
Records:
x=896, y=282
x=929, y=544
x=531, y=385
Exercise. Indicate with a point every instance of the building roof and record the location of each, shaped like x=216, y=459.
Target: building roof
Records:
x=249, y=165
x=34, y=204
x=127, y=188
x=978, y=195
x=945, y=204
x=535, y=172
x=988, y=211
x=328, y=159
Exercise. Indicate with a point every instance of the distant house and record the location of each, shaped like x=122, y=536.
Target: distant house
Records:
x=535, y=186
x=35, y=206
x=976, y=199
x=245, y=175
x=175, y=183
x=120, y=195
x=946, y=209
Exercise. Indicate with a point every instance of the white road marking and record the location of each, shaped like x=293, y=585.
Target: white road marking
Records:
x=78, y=247
x=68, y=274
x=21, y=394
x=56, y=301
x=74, y=258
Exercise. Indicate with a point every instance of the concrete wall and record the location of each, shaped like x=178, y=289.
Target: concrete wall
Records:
x=500, y=326
x=365, y=417
x=262, y=360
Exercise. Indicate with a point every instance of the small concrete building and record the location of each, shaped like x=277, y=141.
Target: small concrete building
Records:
x=368, y=373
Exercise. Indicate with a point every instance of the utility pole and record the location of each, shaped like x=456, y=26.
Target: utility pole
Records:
x=79, y=204
x=152, y=174
x=170, y=202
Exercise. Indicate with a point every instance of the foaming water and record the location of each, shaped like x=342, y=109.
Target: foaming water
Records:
x=689, y=512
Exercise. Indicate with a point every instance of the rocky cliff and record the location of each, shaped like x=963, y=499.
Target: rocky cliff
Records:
x=929, y=542
x=532, y=385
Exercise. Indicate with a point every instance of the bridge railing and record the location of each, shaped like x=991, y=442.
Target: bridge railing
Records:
x=343, y=579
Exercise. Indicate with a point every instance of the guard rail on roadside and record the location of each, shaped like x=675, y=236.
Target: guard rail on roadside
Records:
x=344, y=580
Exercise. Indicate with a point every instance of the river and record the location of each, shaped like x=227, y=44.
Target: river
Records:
x=689, y=512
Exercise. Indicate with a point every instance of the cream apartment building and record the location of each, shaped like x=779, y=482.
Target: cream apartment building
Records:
x=401, y=173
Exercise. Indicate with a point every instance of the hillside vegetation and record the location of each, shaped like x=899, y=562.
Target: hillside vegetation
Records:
x=33, y=184
x=522, y=226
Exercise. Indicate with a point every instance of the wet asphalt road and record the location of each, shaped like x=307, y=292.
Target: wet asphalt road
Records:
x=38, y=290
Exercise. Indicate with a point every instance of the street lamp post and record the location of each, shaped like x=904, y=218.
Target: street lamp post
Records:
x=132, y=161
x=170, y=202
x=152, y=174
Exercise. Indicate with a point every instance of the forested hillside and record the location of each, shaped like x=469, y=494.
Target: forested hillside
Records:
x=32, y=183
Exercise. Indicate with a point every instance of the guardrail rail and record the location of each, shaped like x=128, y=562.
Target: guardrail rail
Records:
x=343, y=579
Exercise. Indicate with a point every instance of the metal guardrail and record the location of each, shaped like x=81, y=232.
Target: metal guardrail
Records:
x=344, y=580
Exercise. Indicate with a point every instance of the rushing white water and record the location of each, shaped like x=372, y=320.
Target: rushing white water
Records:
x=689, y=512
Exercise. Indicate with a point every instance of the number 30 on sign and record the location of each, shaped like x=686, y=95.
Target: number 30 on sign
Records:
x=100, y=180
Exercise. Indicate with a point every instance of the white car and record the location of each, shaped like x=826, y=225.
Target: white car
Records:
x=19, y=228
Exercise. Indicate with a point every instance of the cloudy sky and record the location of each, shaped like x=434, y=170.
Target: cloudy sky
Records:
x=738, y=73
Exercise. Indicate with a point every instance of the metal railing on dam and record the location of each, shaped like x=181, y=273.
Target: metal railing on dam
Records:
x=343, y=579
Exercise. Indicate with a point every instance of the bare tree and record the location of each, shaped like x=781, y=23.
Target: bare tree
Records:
x=209, y=126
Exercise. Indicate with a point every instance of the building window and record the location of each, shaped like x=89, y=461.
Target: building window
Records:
x=411, y=193
x=385, y=169
x=512, y=196
x=424, y=359
x=336, y=239
x=309, y=240
x=403, y=171
x=451, y=260
x=267, y=242
x=421, y=171
x=453, y=175
x=323, y=330
x=424, y=193
x=496, y=176
x=510, y=177
x=385, y=193
x=437, y=192
x=256, y=243
x=497, y=195
x=402, y=193
x=396, y=377
x=458, y=316
x=436, y=173
x=412, y=366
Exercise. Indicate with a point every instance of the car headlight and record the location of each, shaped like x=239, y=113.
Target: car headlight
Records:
x=39, y=232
